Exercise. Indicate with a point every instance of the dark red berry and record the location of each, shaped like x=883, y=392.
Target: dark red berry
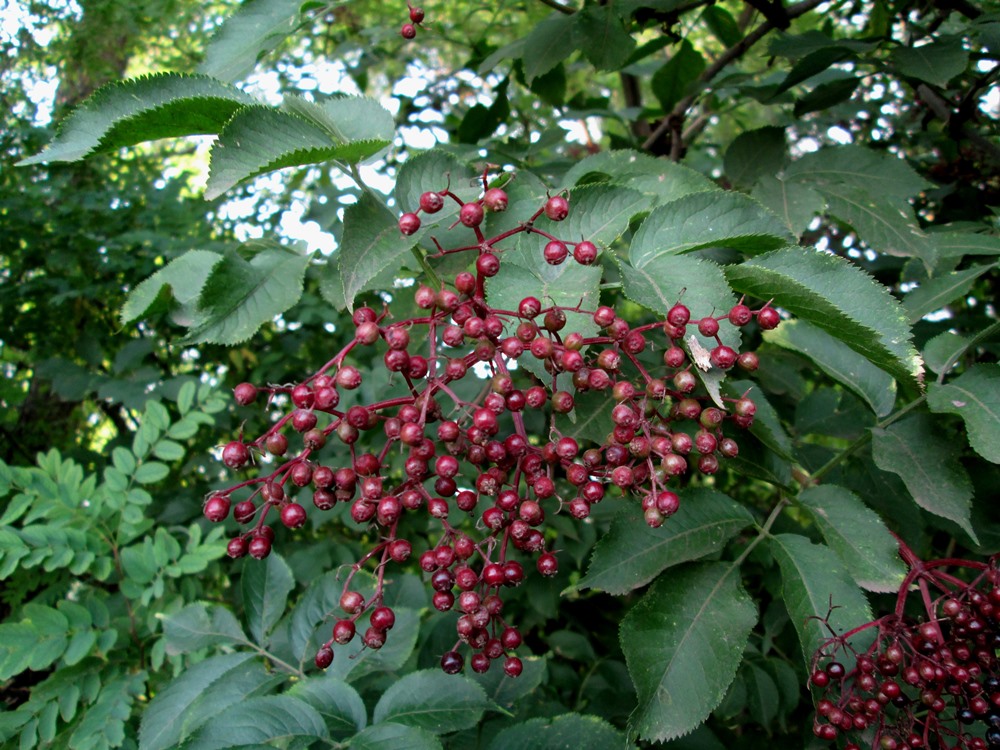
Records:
x=235, y=455
x=585, y=253
x=547, y=564
x=495, y=200
x=217, y=508
x=260, y=547
x=679, y=315
x=237, y=547
x=409, y=223
x=471, y=215
x=245, y=394
x=488, y=264
x=555, y=252
x=768, y=318
x=431, y=203
x=740, y=315
x=708, y=327
x=452, y=662
x=408, y=31
x=557, y=208
x=293, y=515
x=416, y=15
x=324, y=657
x=512, y=666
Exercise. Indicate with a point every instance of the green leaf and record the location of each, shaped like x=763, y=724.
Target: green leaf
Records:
x=937, y=292
x=975, y=397
x=164, y=721
x=664, y=181
x=632, y=554
x=755, y=154
x=434, y=171
x=818, y=61
x=160, y=105
x=936, y=62
x=927, y=461
x=254, y=30
x=704, y=220
x=240, y=296
x=261, y=139
x=884, y=225
x=390, y=658
x=103, y=724
x=599, y=34
x=957, y=244
x=168, y=450
x=660, y=284
x=683, y=642
x=763, y=698
x=372, y=243
x=503, y=691
x=796, y=205
x=337, y=702
x=575, y=731
x=590, y=420
x=826, y=95
x=677, y=77
x=943, y=349
x=599, y=213
x=795, y=46
x=151, y=472
x=722, y=24
x=547, y=45
x=815, y=584
x=766, y=425
x=431, y=700
x=175, y=287
x=346, y=118
x=857, y=535
x=877, y=173
x=839, y=298
x=395, y=736
x=839, y=361
x=262, y=720
x=198, y=626
x=266, y=585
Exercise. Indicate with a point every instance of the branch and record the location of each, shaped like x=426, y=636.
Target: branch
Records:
x=957, y=125
x=675, y=119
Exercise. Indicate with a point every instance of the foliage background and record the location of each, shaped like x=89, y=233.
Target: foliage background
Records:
x=116, y=597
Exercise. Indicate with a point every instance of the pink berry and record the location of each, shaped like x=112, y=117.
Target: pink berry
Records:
x=235, y=455
x=409, y=223
x=585, y=253
x=431, y=203
x=471, y=215
x=495, y=200
x=557, y=208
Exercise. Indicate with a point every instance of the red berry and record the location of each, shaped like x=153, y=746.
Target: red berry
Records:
x=351, y=602
x=235, y=455
x=495, y=200
x=382, y=618
x=409, y=223
x=452, y=662
x=260, y=547
x=555, y=252
x=324, y=657
x=245, y=394
x=217, y=508
x=547, y=564
x=585, y=253
x=471, y=215
x=488, y=264
x=293, y=515
x=557, y=208
x=408, y=31
x=416, y=15
x=513, y=666
x=740, y=315
x=237, y=547
x=723, y=357
x=768, y=318
x=679, y=315
x=708, y=327
x=431, y=203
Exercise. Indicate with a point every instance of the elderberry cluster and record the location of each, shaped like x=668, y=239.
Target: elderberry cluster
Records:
x=409, y=30
x=472, y=465
x=931, y=681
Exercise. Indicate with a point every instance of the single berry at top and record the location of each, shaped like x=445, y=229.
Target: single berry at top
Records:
x=495, y=200
x=557, y=208
x=471, y=215
x=431, y=203
x=409, y=223
x=416, y=14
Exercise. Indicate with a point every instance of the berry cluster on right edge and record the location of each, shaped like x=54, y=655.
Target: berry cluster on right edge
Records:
x=930, y=681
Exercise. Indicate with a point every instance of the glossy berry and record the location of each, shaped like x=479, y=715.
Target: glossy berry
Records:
x=408, y=31
x=495, y=200
x=260, y=547
x=555, y=252
x=324, y=657
x=678, y=315
x=217, y=508
x=409, y=223
x=416, y=15
x=245, y=394
x=471, y=215
x=293, y=515
x=237, y=547
x=708, y=327
x=557, y=208
x=585, y=253
x=235, y=455
x=488, y=264
x=768, y=318
x=431, y=203
x=513, y=666
x=740, y=315
x=452, y=662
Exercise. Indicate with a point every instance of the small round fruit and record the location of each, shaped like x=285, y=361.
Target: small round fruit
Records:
x=217, y=508
x=237, y=547
x=555, y=252
x=512, y=666
x=557, y=208
x=408, y=31
x=471, y=215
x=708, y=326
x=324, y=657
x=585, y=253
x=260, y=547
x=431, y=203
x=235, y=455
x=293, y=515
x=452, y=662
x=488, y=264
x=245, y=394
x=495, y=200
x=768, y=318
x=679, y=315
x=416, y=15
x=740, y=315
x=409, y=223
x=547, y=564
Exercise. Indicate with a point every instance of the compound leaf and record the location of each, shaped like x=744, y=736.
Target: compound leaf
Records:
x=432, y=700
x=975, y=397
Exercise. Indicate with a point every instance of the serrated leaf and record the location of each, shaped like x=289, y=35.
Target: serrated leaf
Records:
x=683, y=648
x=704, y=220
x=957, y=244
x=796, y=205
x=858, y=536
x=878, y=173
x=346, y=118
x=632, y=554
x=547, y=45
x=667, y=279
x=103, y=724
x=975, y=397
x=839, y=298
x=176, y=285
x=372, y=243
x=434, y=171
x=676, y=78
x=826, y=95
x=766, y=425
x=160, y=105
x=755, y=154
x=163, y=724
x=927, y=462
x=266, y=585
x=887, y=226
x=575, y=731
x=395, y=736
x=240, y=296
x=198, y=626
x=665, y=181
x=503, y=691
x=598, y=32
x=591, y=418
x=817, y=61
x=599, y=213
x=937, y=292
x=337, y=702
x=262, y=720
x=814, y=580
x=943, y=349
x=391, y=657
x=431, y=700
x=254, y=30
x=936, y=62
x=261, y=139
x=839, y=361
